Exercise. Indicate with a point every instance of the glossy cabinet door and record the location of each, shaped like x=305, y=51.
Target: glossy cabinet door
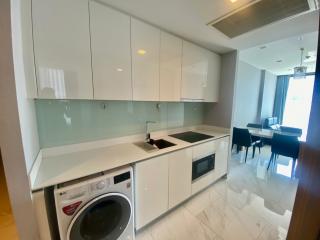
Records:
x=194, y=72
x=111, y=53
x=62, y=49
x=170, y=67
x=145, y=43
x=151, y=189
x=180, y=176
x=211, y=91
x=221, y=161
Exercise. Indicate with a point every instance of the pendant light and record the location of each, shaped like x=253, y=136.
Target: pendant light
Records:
x=300, y=71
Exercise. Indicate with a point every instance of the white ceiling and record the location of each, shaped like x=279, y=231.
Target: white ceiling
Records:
x=189, y=18
x=286, y=50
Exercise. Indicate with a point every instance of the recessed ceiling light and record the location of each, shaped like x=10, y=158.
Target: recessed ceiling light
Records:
x=233, y=1
x=119, y=69
x=141, y=52
x=279, y=61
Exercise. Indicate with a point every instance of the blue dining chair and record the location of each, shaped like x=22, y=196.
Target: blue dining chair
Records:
x=242, y=138
x=296, y=131
x=257, y=126
x=284, y=145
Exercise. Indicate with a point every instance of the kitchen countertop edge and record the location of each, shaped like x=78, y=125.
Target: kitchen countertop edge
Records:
x=88, y=162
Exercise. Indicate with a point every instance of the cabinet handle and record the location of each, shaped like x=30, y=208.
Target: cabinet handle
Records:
x=192, y=99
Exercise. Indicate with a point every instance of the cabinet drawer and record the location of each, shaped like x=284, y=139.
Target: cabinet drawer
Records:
x=202, y=182
x=203, y=150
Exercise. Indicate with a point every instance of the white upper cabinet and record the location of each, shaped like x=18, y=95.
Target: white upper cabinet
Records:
x=145, y=43
x=211, y=91
x=62, y=49
x=200, y=74
x=111, y=53
x=194, y=72
x=87, y=50
x=170, y=67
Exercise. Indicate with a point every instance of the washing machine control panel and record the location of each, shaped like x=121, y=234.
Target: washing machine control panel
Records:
x=100, y=185
x=75, y=193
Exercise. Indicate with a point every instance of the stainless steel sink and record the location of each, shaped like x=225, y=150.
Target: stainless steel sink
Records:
x=161, y=143
x=154, y=145
x=146, y=146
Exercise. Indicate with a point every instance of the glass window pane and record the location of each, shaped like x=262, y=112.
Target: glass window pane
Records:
x=298, y=104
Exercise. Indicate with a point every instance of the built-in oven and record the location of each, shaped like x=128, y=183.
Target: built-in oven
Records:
x=202, y=166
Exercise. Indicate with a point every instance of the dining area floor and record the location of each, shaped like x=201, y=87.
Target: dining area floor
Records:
x=251, y=203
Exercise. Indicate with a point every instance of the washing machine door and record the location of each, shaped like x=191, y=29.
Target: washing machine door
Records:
x=103, y=218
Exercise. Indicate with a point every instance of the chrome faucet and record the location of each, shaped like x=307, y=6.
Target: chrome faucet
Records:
x=147, y=132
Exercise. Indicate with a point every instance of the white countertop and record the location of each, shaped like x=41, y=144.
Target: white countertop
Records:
x=53, y=170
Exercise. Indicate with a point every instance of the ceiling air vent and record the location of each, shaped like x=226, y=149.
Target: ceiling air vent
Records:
x=260, y=13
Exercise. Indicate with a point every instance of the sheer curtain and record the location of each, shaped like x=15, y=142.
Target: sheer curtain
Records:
x=280, y=96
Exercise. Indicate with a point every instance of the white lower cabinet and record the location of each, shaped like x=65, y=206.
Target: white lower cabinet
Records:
x=220, y=147
x=221, y=158
x=180, y=176
x=163, y=182
x=151, y=189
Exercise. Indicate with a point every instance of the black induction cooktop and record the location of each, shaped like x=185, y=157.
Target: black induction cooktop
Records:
x=191, y=137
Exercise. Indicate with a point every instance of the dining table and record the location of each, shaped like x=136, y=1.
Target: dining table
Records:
x=268, y=133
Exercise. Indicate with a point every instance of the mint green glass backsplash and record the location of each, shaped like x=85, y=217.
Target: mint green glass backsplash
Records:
x=73, y=121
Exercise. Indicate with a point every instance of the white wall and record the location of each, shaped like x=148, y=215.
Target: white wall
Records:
x=247, y=95
x=255, y=92
x=269, y=91
x=25, y=77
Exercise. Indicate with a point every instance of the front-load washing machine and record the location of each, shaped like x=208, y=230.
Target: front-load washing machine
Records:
x=99, y=207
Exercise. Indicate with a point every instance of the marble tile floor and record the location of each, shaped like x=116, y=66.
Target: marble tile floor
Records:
x=251, y=203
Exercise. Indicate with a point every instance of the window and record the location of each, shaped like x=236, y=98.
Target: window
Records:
x=298, y=104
